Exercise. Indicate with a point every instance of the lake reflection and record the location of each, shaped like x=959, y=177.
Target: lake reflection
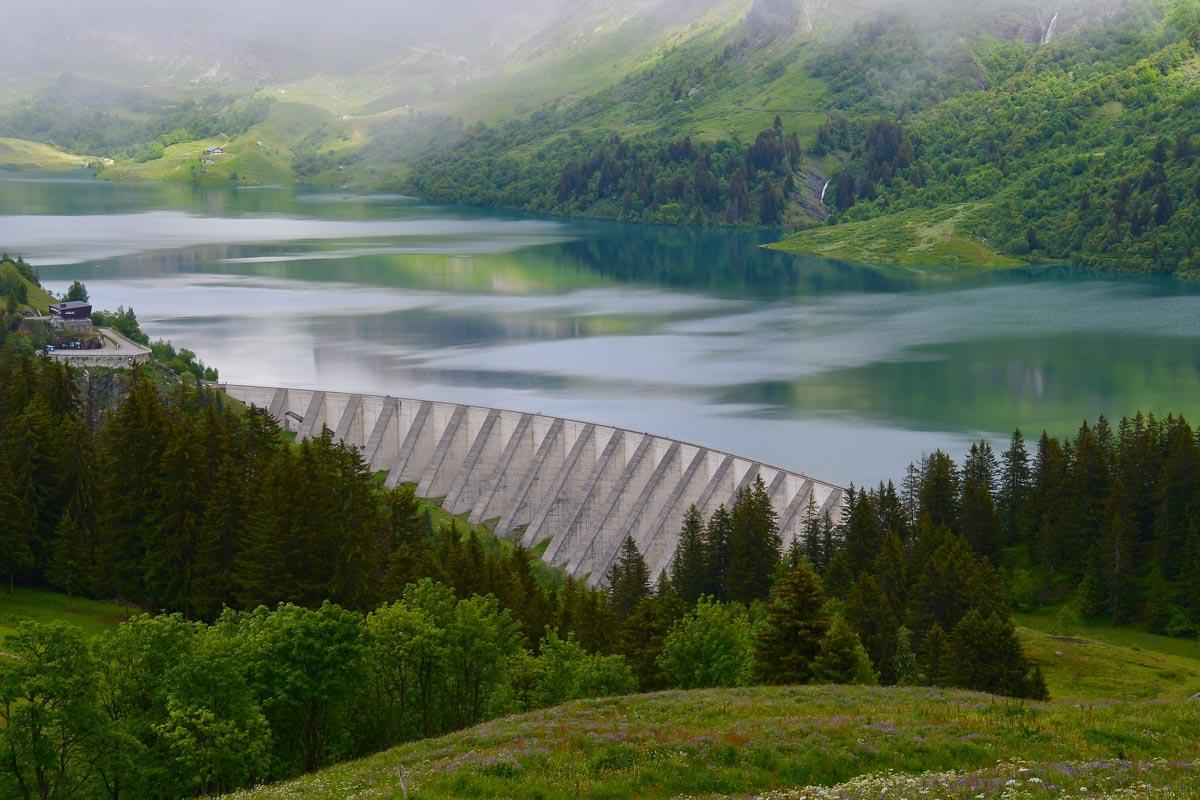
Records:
x=837, y=370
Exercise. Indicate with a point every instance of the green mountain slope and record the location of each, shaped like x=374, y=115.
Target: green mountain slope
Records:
x=1069, y=141
x=1009, y=131
x=771, y=741
x=1078, y=150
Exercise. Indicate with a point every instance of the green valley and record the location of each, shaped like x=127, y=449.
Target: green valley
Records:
x=1070, y=144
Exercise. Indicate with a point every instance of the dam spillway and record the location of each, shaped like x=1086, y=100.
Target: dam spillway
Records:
x=580, y=487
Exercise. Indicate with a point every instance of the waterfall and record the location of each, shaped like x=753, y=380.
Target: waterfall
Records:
x=1049, y=34
x=825, y=189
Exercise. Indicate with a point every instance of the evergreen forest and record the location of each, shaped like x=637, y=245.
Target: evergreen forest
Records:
x=344, y=617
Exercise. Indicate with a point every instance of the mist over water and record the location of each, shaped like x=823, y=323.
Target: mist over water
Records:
x=844, y=372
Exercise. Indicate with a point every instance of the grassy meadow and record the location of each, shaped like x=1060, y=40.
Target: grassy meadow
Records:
x=915, y=238
x=22, y=154
x=38, y=605
x=774, y=742
x=38, y=298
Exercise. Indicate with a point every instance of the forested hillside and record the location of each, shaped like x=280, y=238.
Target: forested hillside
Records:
x=343, y=617
x=1010, y=131
x=286, y=565
x=1042, y=147
x=1079, y=150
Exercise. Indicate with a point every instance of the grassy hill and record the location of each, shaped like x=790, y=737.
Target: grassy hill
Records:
x=263, y=154
x=937, y=135
x=22, y=154
x=915, y=238
x=34, y=296
x=736, y=742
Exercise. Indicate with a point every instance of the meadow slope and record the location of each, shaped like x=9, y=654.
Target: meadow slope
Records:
x=738, y=742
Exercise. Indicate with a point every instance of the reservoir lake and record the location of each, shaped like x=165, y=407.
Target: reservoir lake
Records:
x=845, y=372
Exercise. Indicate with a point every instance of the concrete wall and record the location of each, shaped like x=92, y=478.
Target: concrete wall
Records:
x=581, y=487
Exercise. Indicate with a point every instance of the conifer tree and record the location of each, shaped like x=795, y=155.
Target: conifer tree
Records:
x=754, y=545
x=16, y=528
x=981, y=465
x=893, y=517
x=70, y=565
x=173, y=524
x=814, y=543
x=842, y=658
x=871, y=616
x=938, y=493
x=796, y=622
x=1013, y=492
x=520, y=592
x=642, y=634
x=986, y=656
x=134, y=439
x=978, y=520
x=628, y=580
x=863, y=534
x=838, y=577
x=905, y=669
x=218, y=539
x=1048, y=504
x=1118, y=572
x=1177, y=499
x=1088, y=484
x=689, y=571
x=935, y=658
x=717, y=535
x=890, y=569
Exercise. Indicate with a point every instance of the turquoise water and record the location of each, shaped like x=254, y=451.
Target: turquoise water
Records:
x=841, y=371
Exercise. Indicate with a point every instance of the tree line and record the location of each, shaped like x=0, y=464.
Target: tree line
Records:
x=279, y=564
x=642, y=180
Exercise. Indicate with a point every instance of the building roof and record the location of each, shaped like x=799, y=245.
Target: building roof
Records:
x=72, y=304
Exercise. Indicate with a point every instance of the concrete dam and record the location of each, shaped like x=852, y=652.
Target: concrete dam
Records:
x=582, y=487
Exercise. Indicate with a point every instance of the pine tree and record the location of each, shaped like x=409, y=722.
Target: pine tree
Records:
x=1177, y=499
x=838, y=577
x=16, y=528
x=173, y=523
x=978, y=520
x=1013, y=493
x=986, y=656
x=871, y=616
x=628, y=580
x=890, y=568
x=689, y=572
x=952, y=583
x=1118, y=577
x=754, y=545
x=905, y=669
x=524, y=597
x=842, y=659
x=814, y=543
x=981, y=465
x=1088, y=484
x=644, y=631
x=218, y=539
x=717, y=535
x=1048, y=505
x=863, y=534
x=935, y=658
x=938, y=492
x=796, y=623
x=134, y=438
x=70, y=562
